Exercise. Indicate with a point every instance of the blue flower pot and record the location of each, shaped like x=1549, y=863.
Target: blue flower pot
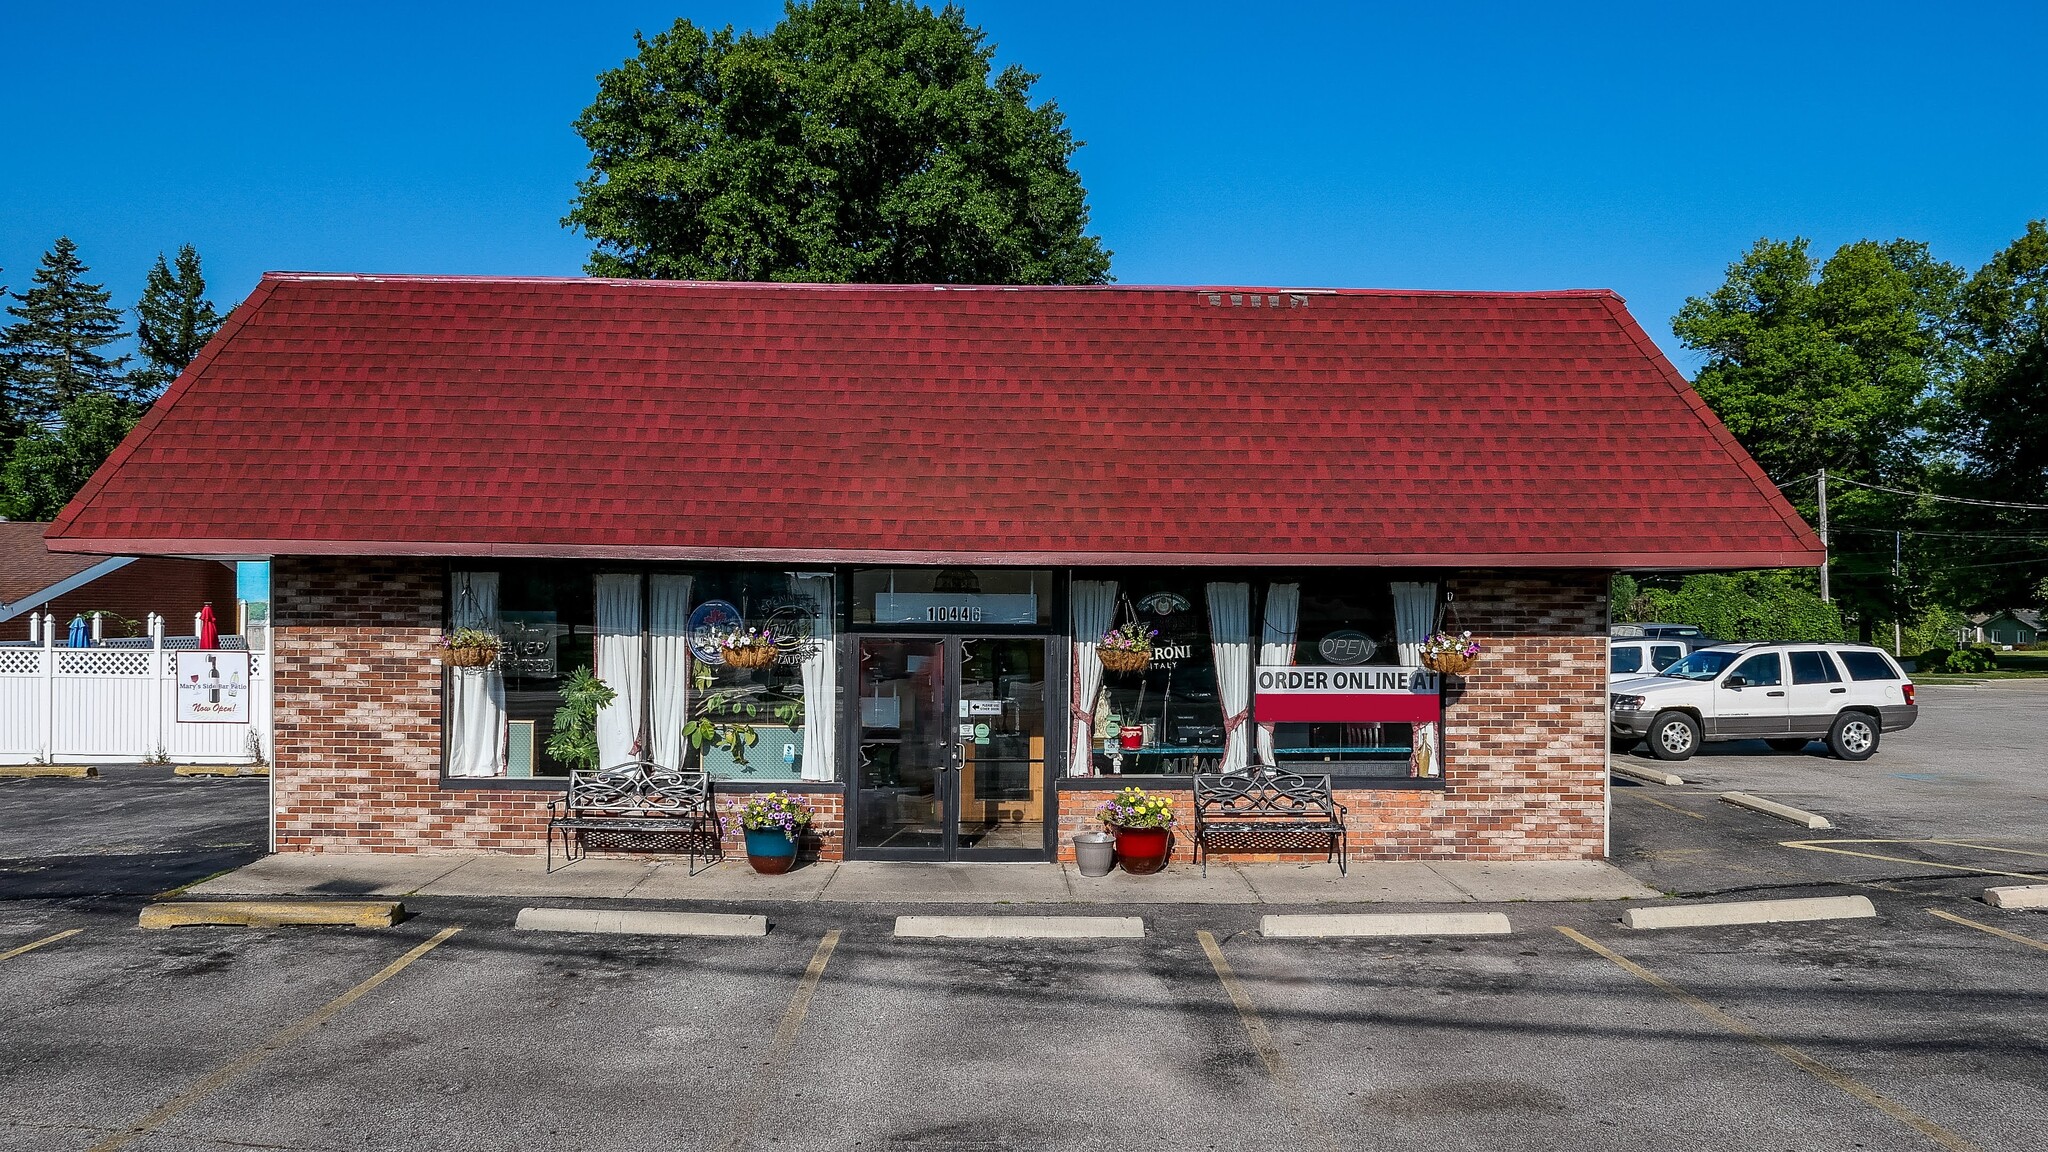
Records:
x=770, y=851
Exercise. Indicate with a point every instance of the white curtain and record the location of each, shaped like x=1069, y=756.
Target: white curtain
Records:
x=1230, y=636
x=1276, y=643
x=1414, y=620
x=619, y=665
x=821, y=679
x=1094, y=606
x=476, y=715
x=668, y=666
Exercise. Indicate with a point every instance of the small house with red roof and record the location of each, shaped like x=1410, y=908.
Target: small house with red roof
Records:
x=1013, y=548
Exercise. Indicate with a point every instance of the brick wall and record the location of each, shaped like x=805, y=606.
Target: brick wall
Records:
x=359, y=736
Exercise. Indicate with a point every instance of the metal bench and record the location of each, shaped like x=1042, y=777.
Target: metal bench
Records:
x=1267, y=804
x=638, y=799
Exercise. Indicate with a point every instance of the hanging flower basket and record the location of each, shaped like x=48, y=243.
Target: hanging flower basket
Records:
x=1450, y=655
x=1125, y=659
x=470, y=657
x=1126, y=648
x=469, y=648
x=757, y=656
x=746, y=647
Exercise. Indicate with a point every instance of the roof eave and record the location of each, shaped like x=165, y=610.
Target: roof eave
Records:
x=1619, y=560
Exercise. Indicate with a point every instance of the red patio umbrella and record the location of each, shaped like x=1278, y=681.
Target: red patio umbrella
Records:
x=209, y=632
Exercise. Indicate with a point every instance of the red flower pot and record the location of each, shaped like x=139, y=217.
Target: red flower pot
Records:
x=1142, y=851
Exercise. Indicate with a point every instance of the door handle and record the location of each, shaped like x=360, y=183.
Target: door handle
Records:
x=1837, y=691
x=1774, y=693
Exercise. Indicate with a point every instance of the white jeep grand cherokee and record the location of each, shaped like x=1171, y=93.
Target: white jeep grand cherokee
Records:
x=1785, y=694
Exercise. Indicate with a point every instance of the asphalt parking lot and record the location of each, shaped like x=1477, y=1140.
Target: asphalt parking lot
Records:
x=1925, y=1027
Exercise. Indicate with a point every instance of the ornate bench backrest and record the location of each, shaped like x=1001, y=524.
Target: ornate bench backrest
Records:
x=641, y=786
x=1264, y=794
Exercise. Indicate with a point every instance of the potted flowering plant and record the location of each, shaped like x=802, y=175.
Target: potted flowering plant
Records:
x=1142, y=823
x=747, y=648
x=1127, y=647
x=1448, y=654
x=772, y=824
x=469, y=648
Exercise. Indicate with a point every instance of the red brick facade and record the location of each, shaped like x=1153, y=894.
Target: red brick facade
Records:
x=358, y=737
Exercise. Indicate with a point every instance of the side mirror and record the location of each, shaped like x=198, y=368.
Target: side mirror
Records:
x=1735, y=682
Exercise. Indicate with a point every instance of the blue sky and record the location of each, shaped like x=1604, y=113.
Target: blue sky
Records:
x=1639, y=147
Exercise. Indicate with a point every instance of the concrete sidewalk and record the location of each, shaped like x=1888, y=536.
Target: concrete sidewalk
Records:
x=870, y=882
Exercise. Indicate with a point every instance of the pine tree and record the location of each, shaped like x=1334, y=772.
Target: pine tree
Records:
x=173, y=321
x=61, y=325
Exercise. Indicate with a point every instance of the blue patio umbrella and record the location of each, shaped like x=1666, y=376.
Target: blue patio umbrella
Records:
x=79, y=637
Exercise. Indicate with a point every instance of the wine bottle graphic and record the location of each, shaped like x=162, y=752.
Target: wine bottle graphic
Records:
x=212, y=680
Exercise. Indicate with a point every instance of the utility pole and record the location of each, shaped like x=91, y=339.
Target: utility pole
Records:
x=1898, y=638
x=1824, y=535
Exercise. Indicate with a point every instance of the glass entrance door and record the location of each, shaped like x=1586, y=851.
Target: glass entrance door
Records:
x=951, y=760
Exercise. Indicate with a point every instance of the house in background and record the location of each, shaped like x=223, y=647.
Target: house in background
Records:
x=2015, y=626
x=33, y=578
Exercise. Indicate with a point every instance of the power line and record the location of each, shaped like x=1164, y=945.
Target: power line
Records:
x=2042, y=536
x=1944, y=499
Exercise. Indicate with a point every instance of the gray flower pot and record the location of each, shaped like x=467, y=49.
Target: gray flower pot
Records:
x=1094, y=852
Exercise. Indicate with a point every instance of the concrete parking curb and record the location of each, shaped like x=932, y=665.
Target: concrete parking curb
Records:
x=1799, y=816
x=1021, y=927
x=635, y=923
x=220, y=770
x=47, y=771
x=272, y=913
x=1646, y=775
x=1385, y=924
x=2018, y=896
x=1750, y=912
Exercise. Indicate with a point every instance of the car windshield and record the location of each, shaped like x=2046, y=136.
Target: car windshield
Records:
x=1702, y=665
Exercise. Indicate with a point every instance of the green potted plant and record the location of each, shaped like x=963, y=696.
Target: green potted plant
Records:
x=469, y=648
x=772, y=823
x=1142, y=823
x=575, y=737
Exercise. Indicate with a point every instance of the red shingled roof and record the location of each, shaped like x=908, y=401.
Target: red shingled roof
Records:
x=862, y=423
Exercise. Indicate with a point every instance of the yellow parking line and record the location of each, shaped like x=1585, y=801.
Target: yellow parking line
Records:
x=2015, y=937
x=1262, y=1040
x=255, y=1056
x=1828, y=846
x=1842, y=1080
x=785, y=1039
x=30, y=947
x=1311, y=1130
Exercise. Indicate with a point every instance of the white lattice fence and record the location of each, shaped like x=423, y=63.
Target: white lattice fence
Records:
x=107, y=705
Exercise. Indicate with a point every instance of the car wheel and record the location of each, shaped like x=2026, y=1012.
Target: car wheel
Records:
x=1788, y=745
x=1854, y=736
x=1674, y=736
x=1623, y=743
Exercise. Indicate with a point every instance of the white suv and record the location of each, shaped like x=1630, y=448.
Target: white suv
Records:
x=1785, y=694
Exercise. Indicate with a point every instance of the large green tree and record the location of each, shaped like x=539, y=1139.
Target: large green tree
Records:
x=173, y=320
x=1996, y=420
x=859, y=141
x=1832, y=365
x=57, y=348
x=47, y=466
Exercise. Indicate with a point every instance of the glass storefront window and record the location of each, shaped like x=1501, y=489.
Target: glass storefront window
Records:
x=1345, y=619
x=1175, y=702
x=548, y=613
